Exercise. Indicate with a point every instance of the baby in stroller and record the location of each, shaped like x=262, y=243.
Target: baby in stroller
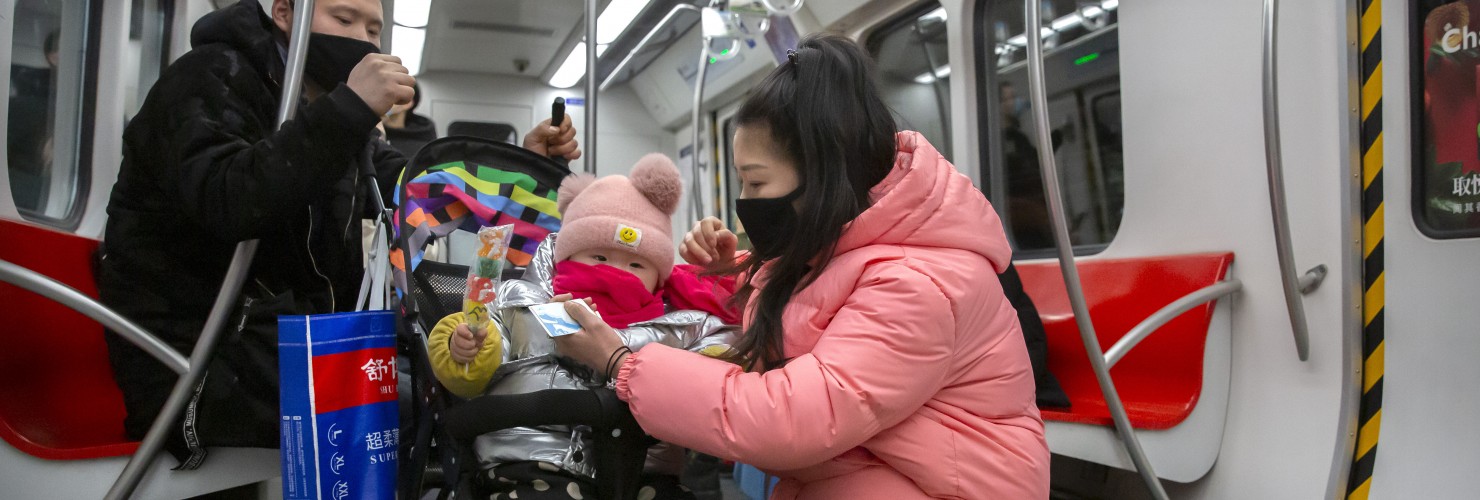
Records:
x=616, y=249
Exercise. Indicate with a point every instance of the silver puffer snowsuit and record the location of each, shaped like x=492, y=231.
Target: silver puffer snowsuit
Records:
x=529, y=365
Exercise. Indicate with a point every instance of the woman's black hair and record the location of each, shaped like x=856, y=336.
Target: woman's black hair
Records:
x=415, y=96
x=823, y=113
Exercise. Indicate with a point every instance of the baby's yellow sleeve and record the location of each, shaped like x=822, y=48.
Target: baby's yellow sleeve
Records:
x=468, y=380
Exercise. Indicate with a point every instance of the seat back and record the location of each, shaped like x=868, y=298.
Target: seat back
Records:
x=59, y=399
x=1161, y=379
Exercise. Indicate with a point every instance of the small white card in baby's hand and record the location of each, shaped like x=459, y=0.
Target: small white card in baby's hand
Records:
x=553, y=318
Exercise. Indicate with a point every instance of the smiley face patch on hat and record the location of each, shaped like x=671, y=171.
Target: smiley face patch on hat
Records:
x=628, y=236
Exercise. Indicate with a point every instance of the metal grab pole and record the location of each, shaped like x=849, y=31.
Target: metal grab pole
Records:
x=696, y=195
x=1166, y=314
x=236, y=274
x=1293, y=287
x=1047, y=164
x=642, y=44
x=591, y=87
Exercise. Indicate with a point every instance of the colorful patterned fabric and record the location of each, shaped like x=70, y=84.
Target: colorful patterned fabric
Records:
x=462, y=195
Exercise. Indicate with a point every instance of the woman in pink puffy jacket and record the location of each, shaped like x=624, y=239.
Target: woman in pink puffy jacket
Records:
x=879, y=357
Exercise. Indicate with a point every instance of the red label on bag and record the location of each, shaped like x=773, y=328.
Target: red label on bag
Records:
x=354, y=378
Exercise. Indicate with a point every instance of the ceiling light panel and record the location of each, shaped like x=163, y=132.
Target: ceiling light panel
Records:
x=406, y=43
x=412, y=13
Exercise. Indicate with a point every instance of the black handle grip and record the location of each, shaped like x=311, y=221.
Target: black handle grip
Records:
x=557, y=117
x=486, y=414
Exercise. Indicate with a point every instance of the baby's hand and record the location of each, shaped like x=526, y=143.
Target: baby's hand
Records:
x=709, y=245
x=465, y=343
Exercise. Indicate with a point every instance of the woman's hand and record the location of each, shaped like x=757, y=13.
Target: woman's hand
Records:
x=594, y=344
x=709, y=245
x=465, y=344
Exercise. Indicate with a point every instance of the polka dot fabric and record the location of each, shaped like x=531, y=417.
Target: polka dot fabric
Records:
x=543, y=481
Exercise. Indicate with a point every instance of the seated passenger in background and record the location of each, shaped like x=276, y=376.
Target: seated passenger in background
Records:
x=407, y=131
x=616, y=250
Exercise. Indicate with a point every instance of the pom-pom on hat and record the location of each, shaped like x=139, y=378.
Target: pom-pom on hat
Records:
x=626, y=214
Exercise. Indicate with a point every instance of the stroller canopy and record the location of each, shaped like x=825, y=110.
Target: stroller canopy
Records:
x=466, y=183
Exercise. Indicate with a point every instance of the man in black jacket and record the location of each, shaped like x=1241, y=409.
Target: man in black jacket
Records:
x=203, y=169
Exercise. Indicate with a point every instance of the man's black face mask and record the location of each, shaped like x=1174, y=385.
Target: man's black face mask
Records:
x=331, y=58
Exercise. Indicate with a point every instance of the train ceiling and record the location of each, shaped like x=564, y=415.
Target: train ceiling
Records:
x=529, y=37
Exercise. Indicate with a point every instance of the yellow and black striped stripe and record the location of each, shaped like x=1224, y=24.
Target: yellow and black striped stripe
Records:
x=1370, y=418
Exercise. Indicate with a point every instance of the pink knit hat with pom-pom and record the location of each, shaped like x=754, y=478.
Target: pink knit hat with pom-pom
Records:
x=623, y=214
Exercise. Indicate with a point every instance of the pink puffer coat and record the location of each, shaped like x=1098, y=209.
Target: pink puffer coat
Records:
x=908, y=379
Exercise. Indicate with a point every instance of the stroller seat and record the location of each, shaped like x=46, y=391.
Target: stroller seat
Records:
x=464, y=183
x=440, y=287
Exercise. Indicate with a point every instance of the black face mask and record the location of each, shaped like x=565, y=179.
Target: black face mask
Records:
x=331, y=58
x=767, y=221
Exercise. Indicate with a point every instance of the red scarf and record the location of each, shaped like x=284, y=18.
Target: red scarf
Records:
x=687, y=289
x=622, y=300
x=620, y=296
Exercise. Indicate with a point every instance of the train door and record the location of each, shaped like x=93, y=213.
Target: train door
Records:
x=1155, y=125
x=1422, y=240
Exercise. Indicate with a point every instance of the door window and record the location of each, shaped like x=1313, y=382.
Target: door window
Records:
x=1082, y=74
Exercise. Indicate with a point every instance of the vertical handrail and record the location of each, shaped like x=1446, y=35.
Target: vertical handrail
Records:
x=1047, y=164
x=236, y=274
x=591, y=87
x=1294, y=287
x=642, y=44
x=696, y=195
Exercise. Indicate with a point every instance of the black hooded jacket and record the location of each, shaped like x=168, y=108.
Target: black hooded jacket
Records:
x=203, y=170
x=419, y=131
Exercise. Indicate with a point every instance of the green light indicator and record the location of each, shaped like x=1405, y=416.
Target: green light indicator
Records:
x=713, y=60
x=1086, y=59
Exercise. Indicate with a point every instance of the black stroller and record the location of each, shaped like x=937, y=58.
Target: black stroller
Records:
x=463, y=183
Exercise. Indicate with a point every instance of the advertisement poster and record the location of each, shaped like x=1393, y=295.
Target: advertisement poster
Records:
x=1446, y=183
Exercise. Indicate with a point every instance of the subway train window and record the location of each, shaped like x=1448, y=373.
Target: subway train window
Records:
x=1082, y=76
x=913, y=74
x=147, y=53
x=45, y=143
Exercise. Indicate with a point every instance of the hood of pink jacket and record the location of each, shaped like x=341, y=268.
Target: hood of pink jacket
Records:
x=925, y=202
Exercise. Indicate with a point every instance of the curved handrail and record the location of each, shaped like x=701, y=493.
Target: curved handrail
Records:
x=1293, y=287
x=236, y=275
x=642, y=44
x=1164, y=315
x=1033, y=20
x=70, y=297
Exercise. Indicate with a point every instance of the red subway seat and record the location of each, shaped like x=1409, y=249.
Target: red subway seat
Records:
x=59, y=400
x=1161, y=379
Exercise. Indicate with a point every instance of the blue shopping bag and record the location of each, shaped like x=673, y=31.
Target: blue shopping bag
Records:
x=339, y=412
x=340, y=426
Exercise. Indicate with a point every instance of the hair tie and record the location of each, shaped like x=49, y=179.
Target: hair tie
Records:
x=791, y=54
